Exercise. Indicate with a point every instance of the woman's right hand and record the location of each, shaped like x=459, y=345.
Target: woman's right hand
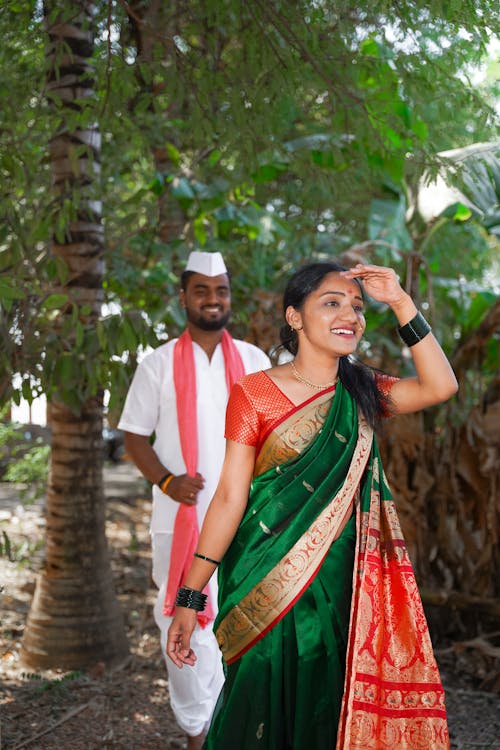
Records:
x=179, y=637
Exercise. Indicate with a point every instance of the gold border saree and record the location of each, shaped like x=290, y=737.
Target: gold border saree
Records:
x=320, y=621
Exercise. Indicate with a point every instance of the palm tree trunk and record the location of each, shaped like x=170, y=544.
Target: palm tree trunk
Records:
x=75, y=619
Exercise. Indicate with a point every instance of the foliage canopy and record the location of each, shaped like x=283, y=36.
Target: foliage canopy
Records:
x=274, y=132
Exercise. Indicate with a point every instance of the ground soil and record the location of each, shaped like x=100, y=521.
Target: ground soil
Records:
x=127, y=708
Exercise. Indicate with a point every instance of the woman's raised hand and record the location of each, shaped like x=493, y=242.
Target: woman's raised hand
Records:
x=379, y=282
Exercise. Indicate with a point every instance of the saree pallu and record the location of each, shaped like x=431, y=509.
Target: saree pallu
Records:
x=320, y=622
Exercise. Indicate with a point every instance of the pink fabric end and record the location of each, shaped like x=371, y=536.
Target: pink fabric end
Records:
x=186, y=533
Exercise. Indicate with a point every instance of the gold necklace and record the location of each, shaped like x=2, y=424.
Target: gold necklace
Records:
x=308, y=382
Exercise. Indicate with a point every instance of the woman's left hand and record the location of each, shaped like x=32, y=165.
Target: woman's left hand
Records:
x=379, y=282
x=179, y=637
x=434, y=381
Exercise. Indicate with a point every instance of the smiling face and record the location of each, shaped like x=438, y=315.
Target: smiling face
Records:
x=331, y=318
x=207, y=301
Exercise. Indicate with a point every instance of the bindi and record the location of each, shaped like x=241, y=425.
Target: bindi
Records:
x=355, y=294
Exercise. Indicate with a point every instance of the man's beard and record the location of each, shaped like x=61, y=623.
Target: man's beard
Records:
x=208, y=325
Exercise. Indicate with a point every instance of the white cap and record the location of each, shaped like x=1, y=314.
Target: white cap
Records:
x=209, y=264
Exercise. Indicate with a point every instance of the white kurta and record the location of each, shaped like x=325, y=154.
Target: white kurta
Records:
x=150, y=407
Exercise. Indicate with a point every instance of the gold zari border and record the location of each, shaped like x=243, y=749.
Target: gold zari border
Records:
x=275, y=593
x=293, y=435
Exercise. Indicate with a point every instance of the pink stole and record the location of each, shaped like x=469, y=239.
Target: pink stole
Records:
x=186, y=530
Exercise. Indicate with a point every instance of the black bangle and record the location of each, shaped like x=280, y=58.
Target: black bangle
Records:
x=167, y=475
x=208, y=559
x=191, y=599
x=415, y=330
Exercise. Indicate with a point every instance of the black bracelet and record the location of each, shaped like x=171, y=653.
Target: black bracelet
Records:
x=208, y=559
x=415, y=330
x=167, y=475
x=191, y=599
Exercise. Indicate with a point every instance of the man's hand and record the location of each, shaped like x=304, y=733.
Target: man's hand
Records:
x=179, y=637
x=184, y=489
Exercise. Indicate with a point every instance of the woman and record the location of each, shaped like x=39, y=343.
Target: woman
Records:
x=320, y=624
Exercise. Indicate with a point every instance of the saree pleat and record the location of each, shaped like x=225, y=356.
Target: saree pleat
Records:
x=284, y=693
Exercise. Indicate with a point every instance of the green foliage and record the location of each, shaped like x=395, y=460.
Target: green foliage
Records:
x=58, y=685
x=387, y=224
x=16, y=551
x=32, y=469
x=23, y=461
x=272, y=132
x=456, y=256
x=6, y=548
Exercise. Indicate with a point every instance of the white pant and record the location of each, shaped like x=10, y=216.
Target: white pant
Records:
x=193, y=690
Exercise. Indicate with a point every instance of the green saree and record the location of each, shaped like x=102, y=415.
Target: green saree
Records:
x=288, y=621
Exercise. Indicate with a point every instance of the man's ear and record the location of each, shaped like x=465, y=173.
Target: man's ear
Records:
x=182, y=299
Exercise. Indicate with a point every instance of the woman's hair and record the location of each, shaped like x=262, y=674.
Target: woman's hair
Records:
x=355, y=376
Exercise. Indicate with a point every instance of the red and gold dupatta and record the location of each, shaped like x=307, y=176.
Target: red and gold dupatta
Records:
x=393, y=697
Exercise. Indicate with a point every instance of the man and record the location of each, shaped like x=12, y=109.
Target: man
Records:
x=180, y=392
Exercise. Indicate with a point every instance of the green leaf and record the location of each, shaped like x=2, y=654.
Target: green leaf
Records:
x=421, y=129
x=157, y=184
x=403, y=111
x=458, y=212
x=387, y=222
x=229, y=212
x=173, y=154
x=55, y=301
x=72, y=398
x=214, y=157
x=26, y=391
x=199, y=230
x=182, y=190
x=79, y=334
x=481, y=303
x=369, y=47
x=9, y=292
x=327, y=159
x=392, y=137
x=66, y=370
x=269, y=172
x=101, y=335
x=129, y=335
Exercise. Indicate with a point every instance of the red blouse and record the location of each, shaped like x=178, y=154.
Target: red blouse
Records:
x=256, y=402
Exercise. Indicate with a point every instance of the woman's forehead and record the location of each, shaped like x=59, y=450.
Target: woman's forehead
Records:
x=334, y=283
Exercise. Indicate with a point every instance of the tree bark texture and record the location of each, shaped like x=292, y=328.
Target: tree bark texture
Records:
x=75, y=620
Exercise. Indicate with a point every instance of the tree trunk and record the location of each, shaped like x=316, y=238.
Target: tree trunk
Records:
x=75, y=620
